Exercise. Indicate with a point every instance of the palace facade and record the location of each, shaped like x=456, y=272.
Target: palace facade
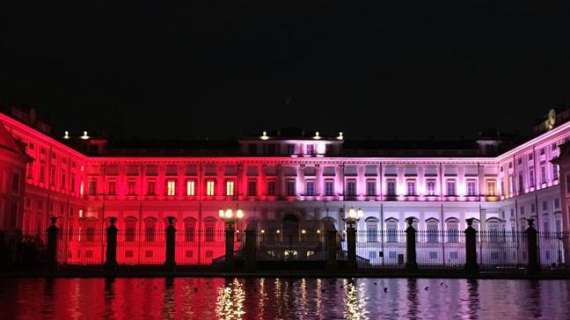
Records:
x=289, y=186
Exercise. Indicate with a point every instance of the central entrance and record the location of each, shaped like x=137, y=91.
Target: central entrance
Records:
x=290, y=229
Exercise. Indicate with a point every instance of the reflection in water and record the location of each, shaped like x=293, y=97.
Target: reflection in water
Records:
x=258, y=299
x=230, y=301
x=353, y=303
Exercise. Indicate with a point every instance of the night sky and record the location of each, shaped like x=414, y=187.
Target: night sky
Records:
x=406, y=68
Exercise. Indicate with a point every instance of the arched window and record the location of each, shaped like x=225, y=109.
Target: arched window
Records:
x=452, y=225
x=392, y=230
x=210, y=229
x=149, y=229
x=189, y=229
x=432, y=228
x=495, y=229
x=372, y=230
x=89, y=227
x=130, y=229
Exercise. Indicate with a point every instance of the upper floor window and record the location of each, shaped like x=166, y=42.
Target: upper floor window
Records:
x=290, y=149
x=311, y=149
x=453, y=231
x=171, y=187
x=557, y=203
x=112, y=188
x=210, y=187
x=451, y=190
x=252, y=188
x=151, y=188
x=149, y=229
x=190, y=188
x=131, y=187
x=291, y=188
x=471, y=188
x=310, y=188
x=16, y=183
x=491, y=188
x=271, y=188
x=92, y=187
x=391, y=187
x=543, y=175
x=351, y=188
x=531, y=177
x=555, y=172
x=230, y=188
x=431, y=187
x=432, y=231
x=329, y=188
x=130, y=229
x=189, y=229
x=372, y=230
x=371, y=187
x=392, y=231
x=411, y=187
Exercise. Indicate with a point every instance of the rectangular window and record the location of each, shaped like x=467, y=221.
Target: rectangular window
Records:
x=451, y=188
x=491, y=188
x=271, y=188
x=131, y=187
x=371, y=188
x=391, y=187
x=230, y=188
x=92, y=190
x=291, y=188
x=16, y=183
x=471, y=188
x=171, y=187
x=209, y=233
x=310, y=188
x=543, y=175
x=411, y=188
x=290, y=149
x=311, y=149
x=351, y=188
x=557, y=203
x=150, y=188
x=112, y=188
x=531, y=178
x=190, y=188
x=252, y=188
x=431, y=188
x=329, y=188
x=210, y=188
x=554, y=172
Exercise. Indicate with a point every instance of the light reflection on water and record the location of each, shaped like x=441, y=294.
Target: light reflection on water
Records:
x=278, y=298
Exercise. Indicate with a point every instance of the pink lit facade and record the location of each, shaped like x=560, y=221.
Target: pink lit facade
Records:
x=303, y=187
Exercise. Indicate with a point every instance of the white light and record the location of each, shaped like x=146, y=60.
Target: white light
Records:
x=360, y=213
x=262, y=231
x=239, y=214
x=303, y=231
x=278, y=231
x=229, y=213
x=66, y=135
x=318, y=231
x=85, y=136
x=264, y=136
x=80, y=213
x=317, y=136
x=340, y=136
x=221, y=213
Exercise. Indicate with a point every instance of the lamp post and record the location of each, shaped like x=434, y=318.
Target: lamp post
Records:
x=352, y=217
x=230, y=217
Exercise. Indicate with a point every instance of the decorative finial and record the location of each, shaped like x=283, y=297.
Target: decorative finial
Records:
x=317, y=136
x=264, y=136
x=85, y=136
x=340, y=136
x=66, y=135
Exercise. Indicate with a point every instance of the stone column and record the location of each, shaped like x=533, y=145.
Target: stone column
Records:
x=331, y=246
x=411, y=262
x=532, y=248
x=250, y=249
x=351, y=245
x=52, y=231
x=170, y=261
x=471, y=265
x=230, y=231
x=111, y=255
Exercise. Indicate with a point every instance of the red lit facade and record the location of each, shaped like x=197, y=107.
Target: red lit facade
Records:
x=286, y=187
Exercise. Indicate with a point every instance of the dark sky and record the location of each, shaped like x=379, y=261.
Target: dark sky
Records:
x=407, y=68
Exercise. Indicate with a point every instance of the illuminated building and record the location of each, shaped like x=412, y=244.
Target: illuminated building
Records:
x=289, y=186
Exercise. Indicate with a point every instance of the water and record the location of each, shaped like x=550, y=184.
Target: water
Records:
x=270, y=298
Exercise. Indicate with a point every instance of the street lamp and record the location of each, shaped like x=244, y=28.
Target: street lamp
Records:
x=230, y=217
x=352, y=217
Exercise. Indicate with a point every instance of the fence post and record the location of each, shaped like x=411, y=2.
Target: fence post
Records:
x=331, y=249
x=52, y=245
x=250, y=249
x=111, y=256
x=411, y=262
x=471, y=265
x=170, y=261
x=532, y=248
x=230, y=235
x=351, y=246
